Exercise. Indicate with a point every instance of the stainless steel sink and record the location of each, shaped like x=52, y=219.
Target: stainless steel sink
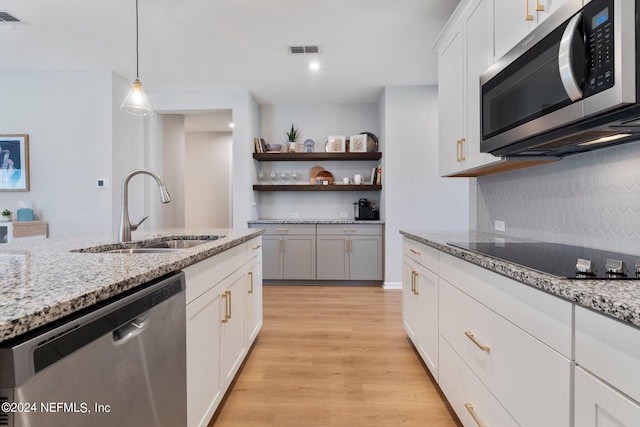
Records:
x=144, y=251
x=176, y=244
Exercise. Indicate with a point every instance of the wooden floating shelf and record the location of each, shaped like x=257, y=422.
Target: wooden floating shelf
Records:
x=376, y=155
x=332, y=187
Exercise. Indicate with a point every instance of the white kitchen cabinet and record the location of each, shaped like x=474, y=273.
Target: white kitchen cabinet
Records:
x=223, y=320
x=497, y=351
x=607, y=385
x=597, y=404
x=464, y=53
x=470, y=399
x=352, y=252
x=289, y=251
x=204, y=390
x=514, y=19
x=254, y=299
x=451, y=102
x=232, y=324
x=420, y=309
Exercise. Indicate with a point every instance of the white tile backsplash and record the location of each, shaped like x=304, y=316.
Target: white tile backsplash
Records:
x=590, y=199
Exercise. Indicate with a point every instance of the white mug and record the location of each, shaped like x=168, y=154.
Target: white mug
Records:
x=345, y=181
x=357, y=179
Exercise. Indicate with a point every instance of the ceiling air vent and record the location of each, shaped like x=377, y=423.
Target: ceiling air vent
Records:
x=6, y=17
x=304, y=49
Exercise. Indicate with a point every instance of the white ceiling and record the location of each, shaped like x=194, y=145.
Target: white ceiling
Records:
x=364, y=44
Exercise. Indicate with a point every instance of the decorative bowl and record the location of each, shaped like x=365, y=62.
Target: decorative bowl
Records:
x=274, y=148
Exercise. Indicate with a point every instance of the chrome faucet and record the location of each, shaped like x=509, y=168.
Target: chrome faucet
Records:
x=126, y=227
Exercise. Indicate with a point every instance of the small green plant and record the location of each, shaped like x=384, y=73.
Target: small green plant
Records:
x=6, y=212
x=292, y=134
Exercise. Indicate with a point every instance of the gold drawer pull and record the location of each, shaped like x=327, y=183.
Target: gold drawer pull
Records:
x=414, y=251
x=480, y=346
x=469, y=407
x=346, y=230
x=282, y=229
x=414, y=287
x=257, y=247
x=527, y=17
x=250, y=273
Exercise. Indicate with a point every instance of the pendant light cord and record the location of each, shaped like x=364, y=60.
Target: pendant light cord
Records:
x=137, y=42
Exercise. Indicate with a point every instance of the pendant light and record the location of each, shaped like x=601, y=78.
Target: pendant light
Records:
x=136, y=101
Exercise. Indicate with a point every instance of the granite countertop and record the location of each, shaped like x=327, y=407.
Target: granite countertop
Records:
x=45, y=280
x=619, y=299
x=313, y=221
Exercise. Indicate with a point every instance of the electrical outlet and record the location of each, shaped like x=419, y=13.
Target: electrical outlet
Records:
x=344, y=214
x=500, y=226
x=295, y=215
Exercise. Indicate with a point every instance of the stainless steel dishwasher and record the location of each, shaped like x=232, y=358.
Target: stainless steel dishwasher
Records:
x=122, y=364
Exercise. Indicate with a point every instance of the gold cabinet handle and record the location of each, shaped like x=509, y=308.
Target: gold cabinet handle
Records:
x=227, y=308
x=469, y=407
x=250, y=273
x=347, y=230
x=414, y=283
x=255, y=248
x=527, y=17
x=282, y=247
x=472, y=338
x=459, y=150
x=414, y=251
x=539, y=7
x=282, y=229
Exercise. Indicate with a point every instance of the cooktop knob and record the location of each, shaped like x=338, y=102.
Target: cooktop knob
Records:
x=614, y=266
x=585, y=266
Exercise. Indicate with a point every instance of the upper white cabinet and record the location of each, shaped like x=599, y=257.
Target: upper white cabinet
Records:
x=514, y=19
x=465, y=52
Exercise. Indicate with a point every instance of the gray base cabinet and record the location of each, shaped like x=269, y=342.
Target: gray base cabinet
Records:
x=289, y=252
x=322, y=251
x=351, y=252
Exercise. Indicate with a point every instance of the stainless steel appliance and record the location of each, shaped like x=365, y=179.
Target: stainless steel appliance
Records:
x=569, y=86
x=121, y=363
x=362, y=210
x=566, y=261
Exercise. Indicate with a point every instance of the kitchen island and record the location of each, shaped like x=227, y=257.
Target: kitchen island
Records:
x=43, y=281
x=504, y=340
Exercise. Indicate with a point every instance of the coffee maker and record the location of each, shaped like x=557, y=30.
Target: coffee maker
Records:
x=362, y=210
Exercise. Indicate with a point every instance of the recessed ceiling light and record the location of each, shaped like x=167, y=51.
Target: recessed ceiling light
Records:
x=231, y=125
x=314, y=66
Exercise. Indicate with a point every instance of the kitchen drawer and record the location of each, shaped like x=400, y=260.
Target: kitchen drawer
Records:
x=350, y=229
x=204, y=275
x=609, y=349
x=287, y=229
x=464, y=389
x=254, y=247
x=422, y=254
x=546, y=317
x=524, y=374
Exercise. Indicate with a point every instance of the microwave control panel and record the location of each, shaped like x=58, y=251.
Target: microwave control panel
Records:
x=598, y=28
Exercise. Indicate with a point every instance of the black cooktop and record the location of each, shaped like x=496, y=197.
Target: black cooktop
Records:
x=571, y=262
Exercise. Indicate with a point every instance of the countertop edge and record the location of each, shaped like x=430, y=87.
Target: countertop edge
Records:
x=620, y=301
x=163, y=265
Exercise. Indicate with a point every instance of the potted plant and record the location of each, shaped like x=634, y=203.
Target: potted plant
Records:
x=292, y=137
x=6, y=215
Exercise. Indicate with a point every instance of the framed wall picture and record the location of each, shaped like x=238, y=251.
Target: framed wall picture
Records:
x=14, y=162
x=358, y=143
x=336, y=144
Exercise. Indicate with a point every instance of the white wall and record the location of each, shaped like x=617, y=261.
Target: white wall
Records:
x=208, y=159
x=245, y=118
x=71, y=145
x=315, y=122
x=415, y=196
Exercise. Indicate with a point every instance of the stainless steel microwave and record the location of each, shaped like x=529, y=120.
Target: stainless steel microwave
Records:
x=570, y=86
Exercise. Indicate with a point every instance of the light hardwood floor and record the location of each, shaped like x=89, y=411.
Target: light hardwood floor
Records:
x=333, y=356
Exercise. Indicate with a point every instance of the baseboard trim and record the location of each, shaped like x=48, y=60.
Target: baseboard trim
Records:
x=392, y=285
